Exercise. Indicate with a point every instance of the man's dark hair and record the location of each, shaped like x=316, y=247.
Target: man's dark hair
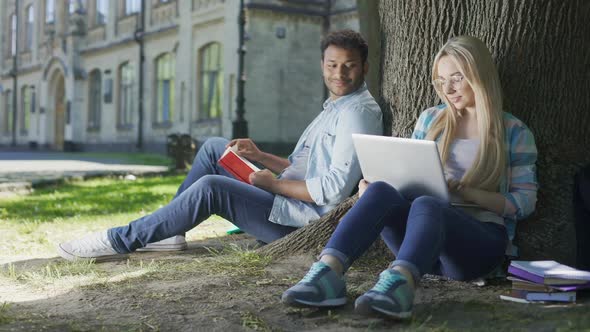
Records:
x=347, y=39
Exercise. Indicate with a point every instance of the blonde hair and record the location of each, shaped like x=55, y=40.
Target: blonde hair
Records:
x=474, y=60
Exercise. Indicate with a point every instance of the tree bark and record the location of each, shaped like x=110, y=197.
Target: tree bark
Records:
x=542, y=51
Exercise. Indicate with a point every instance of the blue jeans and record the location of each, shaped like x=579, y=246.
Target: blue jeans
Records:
x=426, y=235
x=207, y=189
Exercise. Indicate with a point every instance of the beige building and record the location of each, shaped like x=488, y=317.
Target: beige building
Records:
x=80, y=84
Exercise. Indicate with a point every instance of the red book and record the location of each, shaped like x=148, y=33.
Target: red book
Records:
x=239, y=167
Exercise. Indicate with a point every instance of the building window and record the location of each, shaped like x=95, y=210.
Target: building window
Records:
x=211, y=82
x=7, y=113
x=77, y=5
x=126, y=84
x=132, y=6
x=29, y=28
x=49, y=11
x=25, y=111
x=12, y=35
x=102, y=10
x=165, y=72
x=94, y=99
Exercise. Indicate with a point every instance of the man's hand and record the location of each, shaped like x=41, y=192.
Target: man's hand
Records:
x=264, y=180
x=363, y=185
x=246, y=148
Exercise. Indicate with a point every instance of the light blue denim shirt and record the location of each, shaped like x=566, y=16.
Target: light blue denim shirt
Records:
x=333, y=169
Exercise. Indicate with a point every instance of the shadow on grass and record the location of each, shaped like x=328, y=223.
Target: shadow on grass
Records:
x=91, y=199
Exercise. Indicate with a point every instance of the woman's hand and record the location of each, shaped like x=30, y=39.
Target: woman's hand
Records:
x=454, y=186
x=492, y=201
x=363, y=185
x=246, y=148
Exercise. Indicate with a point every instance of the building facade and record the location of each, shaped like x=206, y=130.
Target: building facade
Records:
x=81, y=83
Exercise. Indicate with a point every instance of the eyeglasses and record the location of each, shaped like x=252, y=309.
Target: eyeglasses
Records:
x=456, y=82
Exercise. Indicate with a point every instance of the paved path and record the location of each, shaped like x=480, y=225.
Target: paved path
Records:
x=21, y=170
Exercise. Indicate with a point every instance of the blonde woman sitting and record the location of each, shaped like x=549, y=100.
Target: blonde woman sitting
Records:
x=489, y=158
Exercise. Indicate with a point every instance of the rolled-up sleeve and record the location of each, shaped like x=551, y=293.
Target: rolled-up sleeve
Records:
x=344, y=171
x=521, y=197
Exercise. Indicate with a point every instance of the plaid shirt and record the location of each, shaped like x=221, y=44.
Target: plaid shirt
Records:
x=519, y=186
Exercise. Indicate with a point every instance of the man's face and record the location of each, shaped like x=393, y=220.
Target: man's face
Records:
x=344, y=71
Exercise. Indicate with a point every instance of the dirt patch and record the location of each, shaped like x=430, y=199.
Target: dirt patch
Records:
x=210, y=288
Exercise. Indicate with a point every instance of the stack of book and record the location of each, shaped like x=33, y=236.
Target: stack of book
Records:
x=545, y=281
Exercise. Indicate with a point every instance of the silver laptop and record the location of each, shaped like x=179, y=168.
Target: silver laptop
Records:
x=411, y=166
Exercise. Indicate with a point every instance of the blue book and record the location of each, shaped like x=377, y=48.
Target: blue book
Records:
x=542, y=296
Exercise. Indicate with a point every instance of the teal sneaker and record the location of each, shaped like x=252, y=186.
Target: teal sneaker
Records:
x=391, y=295
x=321, y=287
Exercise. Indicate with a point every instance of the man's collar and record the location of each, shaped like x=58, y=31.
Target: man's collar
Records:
x=343, y=99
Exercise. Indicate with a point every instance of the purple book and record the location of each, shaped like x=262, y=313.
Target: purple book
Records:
x=551, y=273
x=543, y=287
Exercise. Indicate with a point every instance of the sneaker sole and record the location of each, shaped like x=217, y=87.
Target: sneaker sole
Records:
x=367, y=310
x=72, y=258
x=167, y=247
x=398, y=315
x=326, y=303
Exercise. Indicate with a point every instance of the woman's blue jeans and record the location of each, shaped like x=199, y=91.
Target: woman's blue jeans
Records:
x=426, y=235
x=207, y=189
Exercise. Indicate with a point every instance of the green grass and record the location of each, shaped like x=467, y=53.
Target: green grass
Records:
x=85, y=201
x=4, y=315
x=233, y=260
x=253, y=322
x=32, y=224
x=151, y=159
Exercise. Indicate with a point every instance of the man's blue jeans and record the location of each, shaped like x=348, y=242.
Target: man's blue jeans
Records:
x=426, y=235
x=208, y=189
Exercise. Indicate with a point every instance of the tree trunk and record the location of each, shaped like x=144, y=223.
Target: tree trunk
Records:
x=543, y=55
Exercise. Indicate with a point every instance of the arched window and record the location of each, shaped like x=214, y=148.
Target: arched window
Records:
x=165, y=73
x=211, y=81
x=25, y=111
x=29, y=28
x=126, y=98
x=94, y=100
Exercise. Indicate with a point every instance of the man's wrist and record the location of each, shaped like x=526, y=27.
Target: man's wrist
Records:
x=262, y=157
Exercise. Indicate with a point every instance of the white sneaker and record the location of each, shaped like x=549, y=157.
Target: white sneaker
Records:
x=175, y=243
x=95, y=245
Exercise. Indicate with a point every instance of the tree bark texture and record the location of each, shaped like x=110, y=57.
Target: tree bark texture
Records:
x=542, y=49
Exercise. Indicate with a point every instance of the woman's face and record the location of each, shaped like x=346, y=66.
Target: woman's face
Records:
x=452, y=83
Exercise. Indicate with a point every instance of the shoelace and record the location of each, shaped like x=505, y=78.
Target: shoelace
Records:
x=386, y=283
x=313, y=273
